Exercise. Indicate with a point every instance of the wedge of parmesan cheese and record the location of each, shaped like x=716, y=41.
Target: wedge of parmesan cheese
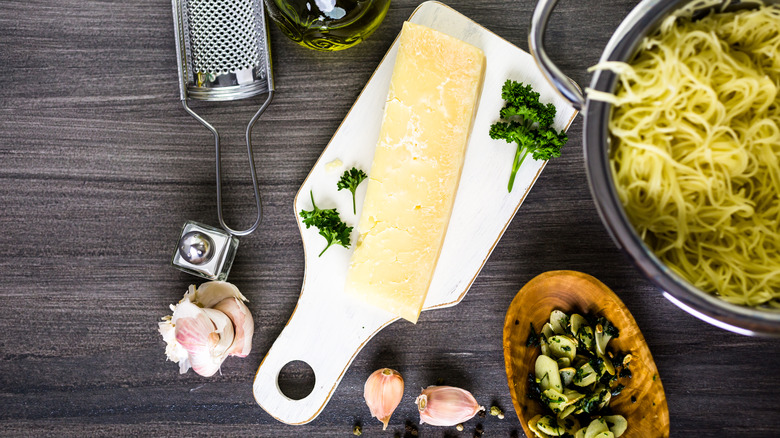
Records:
x=434, y=90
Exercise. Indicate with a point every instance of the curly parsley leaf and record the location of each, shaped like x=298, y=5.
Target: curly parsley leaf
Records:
x=527, y=123
x=350, y=180
x=329, y=223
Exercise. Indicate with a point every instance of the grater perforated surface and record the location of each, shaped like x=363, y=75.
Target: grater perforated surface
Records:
x=224, y=35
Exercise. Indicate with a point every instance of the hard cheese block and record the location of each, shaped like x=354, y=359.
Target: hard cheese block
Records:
x=413, y=179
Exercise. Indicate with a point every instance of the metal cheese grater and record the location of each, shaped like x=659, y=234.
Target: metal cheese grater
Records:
x=223, y=54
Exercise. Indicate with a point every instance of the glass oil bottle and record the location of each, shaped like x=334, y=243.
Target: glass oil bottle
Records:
x=327, y=25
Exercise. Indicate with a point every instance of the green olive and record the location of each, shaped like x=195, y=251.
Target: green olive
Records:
x=617, y=424
x=559, y=322
x=562, y=346
x=550, y=426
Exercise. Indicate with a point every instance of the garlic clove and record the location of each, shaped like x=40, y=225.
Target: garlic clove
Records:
x=226, y=297
x=446, y=405
x=210, y=293
x=206, y=335
x=243, y=322
x=383, y=391
x=223, y=333
x=196, y=337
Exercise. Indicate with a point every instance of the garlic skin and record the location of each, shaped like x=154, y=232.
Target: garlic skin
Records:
x=446, y=405
x=210, y=323
x=383, y=392
x=212, y=292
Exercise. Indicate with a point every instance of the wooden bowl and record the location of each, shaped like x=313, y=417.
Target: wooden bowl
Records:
x=642, y=402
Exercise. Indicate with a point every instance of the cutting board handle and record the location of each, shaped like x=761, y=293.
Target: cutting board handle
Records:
x=326, y=331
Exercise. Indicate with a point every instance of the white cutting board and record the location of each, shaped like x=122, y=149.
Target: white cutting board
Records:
x=326, y=329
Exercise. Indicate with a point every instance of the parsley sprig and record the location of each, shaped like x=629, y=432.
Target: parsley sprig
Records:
x=331, y=227
x=350, y=180
x=527, y=122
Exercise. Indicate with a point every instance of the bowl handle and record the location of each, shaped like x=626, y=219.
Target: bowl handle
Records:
x=565, y=86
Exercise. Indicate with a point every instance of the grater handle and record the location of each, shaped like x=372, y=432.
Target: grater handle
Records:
x=252, y=169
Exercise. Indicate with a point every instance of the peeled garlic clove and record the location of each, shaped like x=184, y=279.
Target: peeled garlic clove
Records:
x=446, y=405
x=383, y=391
x=243, y=322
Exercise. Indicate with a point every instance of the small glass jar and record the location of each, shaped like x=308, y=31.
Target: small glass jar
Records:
x=205, y=251
x=327, y=25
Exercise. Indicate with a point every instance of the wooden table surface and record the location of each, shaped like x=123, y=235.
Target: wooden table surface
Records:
x=100, y=167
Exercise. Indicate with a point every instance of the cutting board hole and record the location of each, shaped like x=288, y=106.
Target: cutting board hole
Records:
x=296, y=380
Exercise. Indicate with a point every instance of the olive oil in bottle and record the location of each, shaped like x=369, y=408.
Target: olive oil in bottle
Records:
x=327, y=25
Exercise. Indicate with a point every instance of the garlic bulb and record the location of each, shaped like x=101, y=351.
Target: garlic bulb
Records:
x=210, y=323
x=383, y=391
x=446, y=405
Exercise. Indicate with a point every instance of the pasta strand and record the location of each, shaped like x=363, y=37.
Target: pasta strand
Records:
x=696, y=150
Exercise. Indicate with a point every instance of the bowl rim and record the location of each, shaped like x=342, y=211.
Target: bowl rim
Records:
x=644, y=18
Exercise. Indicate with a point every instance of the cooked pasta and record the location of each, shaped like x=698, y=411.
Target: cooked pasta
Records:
x=696, y=150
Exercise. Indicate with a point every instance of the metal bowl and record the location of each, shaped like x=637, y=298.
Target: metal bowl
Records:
x=642, y=20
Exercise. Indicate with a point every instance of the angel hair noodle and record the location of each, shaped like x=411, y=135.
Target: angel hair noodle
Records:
x=696, y=150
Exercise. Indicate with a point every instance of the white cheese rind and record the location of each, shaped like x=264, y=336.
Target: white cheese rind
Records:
x=413, y=179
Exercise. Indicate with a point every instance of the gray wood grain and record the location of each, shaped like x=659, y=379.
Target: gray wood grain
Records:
x=100, y=166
